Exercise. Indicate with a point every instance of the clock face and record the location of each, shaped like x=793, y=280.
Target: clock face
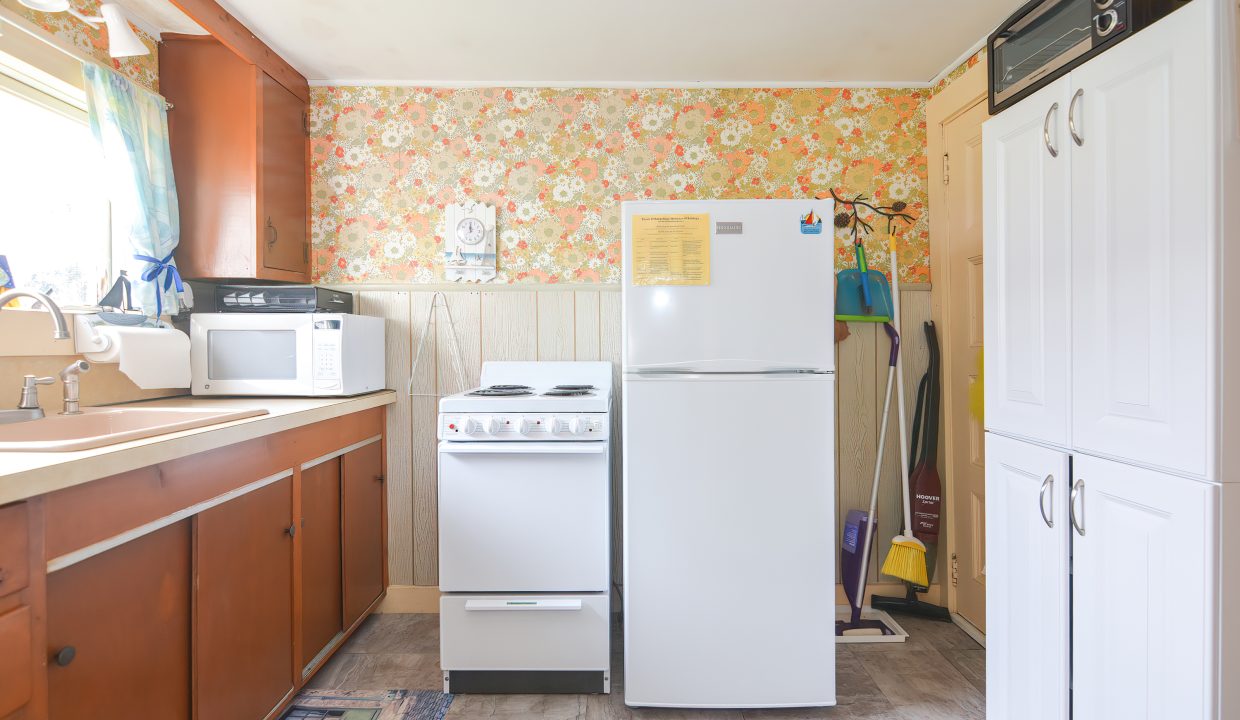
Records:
x=470, y=231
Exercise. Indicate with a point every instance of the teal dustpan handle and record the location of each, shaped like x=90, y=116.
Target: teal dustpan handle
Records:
x=867, y=300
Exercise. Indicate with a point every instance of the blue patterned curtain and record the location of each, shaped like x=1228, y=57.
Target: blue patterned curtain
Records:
x=131, y=125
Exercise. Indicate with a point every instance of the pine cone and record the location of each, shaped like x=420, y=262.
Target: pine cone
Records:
x=899, y=206
x=842, y=220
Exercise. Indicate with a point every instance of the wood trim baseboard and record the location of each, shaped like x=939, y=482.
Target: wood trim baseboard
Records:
x=410, y=599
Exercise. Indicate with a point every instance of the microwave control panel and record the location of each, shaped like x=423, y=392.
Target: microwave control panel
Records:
x=326, y=356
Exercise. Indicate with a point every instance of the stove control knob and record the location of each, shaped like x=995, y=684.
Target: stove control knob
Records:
x=472, y=426
x=499, y=425
x=585, y=426
x=533, y=426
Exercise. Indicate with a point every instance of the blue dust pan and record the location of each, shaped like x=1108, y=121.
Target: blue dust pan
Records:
x=862, y=297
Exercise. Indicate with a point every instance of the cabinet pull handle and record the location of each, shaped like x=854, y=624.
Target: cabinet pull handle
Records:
x=1046, y=131
x=1047, y=484
x=272, y=233
x=65, y=655
x=1078, y=489
x=1076, y=136
x=291, y=530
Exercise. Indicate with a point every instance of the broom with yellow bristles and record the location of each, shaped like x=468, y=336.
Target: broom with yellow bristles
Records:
x=907, y=557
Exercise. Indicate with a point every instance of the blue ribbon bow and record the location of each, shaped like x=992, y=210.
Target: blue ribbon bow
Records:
x=171, y=277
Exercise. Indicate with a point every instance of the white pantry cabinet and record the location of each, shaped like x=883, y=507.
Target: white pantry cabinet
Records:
x=1027, y=578
x=1143, y=593
x=1112, y=384
x=1101, y=193
x=1140, y=246
x=1026, y=174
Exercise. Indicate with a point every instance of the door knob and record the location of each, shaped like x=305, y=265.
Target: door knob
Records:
x=65, y=655
x=291, y=530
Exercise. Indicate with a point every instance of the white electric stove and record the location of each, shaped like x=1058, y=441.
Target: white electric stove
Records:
x=524, y=530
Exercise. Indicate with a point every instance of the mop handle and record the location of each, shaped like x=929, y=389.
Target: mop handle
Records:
x=895, y=312
x=878, y=464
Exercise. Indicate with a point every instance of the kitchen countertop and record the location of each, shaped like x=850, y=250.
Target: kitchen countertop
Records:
x=27, y=474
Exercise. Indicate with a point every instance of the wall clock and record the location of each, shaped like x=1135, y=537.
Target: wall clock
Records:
x=469, y=242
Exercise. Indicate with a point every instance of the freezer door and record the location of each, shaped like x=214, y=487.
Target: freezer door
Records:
x=729, y=537
x=770, y=303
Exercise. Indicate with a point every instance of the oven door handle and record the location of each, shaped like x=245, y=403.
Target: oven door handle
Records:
x=521, y=605
x=517, y=447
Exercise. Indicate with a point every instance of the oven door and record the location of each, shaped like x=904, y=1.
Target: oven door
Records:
x=523, y=517
x=270, y=354
x=1038, y=44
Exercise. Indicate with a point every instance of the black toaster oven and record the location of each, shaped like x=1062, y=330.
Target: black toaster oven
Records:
x=1047, y=38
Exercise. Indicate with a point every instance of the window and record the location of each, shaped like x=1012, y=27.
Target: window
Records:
x=55, y=221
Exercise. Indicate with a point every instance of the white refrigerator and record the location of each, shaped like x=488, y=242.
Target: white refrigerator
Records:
x=729, y=453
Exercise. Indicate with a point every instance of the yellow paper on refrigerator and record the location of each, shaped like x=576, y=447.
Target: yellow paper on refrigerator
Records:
x=671, y=249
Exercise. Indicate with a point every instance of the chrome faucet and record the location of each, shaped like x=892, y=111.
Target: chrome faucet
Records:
x=58, y=318
x=71, y=377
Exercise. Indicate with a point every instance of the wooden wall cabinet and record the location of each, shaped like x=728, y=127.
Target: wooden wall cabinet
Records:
x=207, y=587
x=240, y=155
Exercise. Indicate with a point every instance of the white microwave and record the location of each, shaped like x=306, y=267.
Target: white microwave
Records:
x=296, y=354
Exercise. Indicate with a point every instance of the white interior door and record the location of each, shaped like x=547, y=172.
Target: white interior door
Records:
x=1026, y=196
x=1143, y=592
x=729, y=541
x=1141, y=246
x=1027, y=581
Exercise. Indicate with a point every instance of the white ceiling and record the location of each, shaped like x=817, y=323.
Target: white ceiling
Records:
x=621, y=42
x=159, y=16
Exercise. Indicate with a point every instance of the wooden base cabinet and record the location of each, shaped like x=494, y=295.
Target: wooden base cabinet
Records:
x=322, y=616
x=1113, y=566
x=207, y=587
x=118, y=630
x=243, y=564
x=363, y=529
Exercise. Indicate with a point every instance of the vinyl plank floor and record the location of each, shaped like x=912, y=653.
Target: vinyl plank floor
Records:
x=939, y=674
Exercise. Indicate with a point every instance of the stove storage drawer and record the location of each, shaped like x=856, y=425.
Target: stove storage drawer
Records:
x=524, y=632
x=524, y=517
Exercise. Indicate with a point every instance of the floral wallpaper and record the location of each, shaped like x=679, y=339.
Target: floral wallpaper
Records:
x=961, y=69
x=143, y=69
x=556, y=163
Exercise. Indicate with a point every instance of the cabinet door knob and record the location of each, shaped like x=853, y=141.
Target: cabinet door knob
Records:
x=272, y=233
x=291, y=530
x=65, y=655
x=380, y=478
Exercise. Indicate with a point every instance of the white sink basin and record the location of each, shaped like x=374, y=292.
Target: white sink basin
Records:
x=97, y=427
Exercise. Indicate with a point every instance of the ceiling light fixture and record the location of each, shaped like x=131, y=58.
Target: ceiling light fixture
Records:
x=122, y=40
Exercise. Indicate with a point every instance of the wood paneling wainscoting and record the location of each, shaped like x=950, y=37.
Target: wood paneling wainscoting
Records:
x=576, y=323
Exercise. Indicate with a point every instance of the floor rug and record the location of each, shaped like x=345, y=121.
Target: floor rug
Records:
x=369, y=705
